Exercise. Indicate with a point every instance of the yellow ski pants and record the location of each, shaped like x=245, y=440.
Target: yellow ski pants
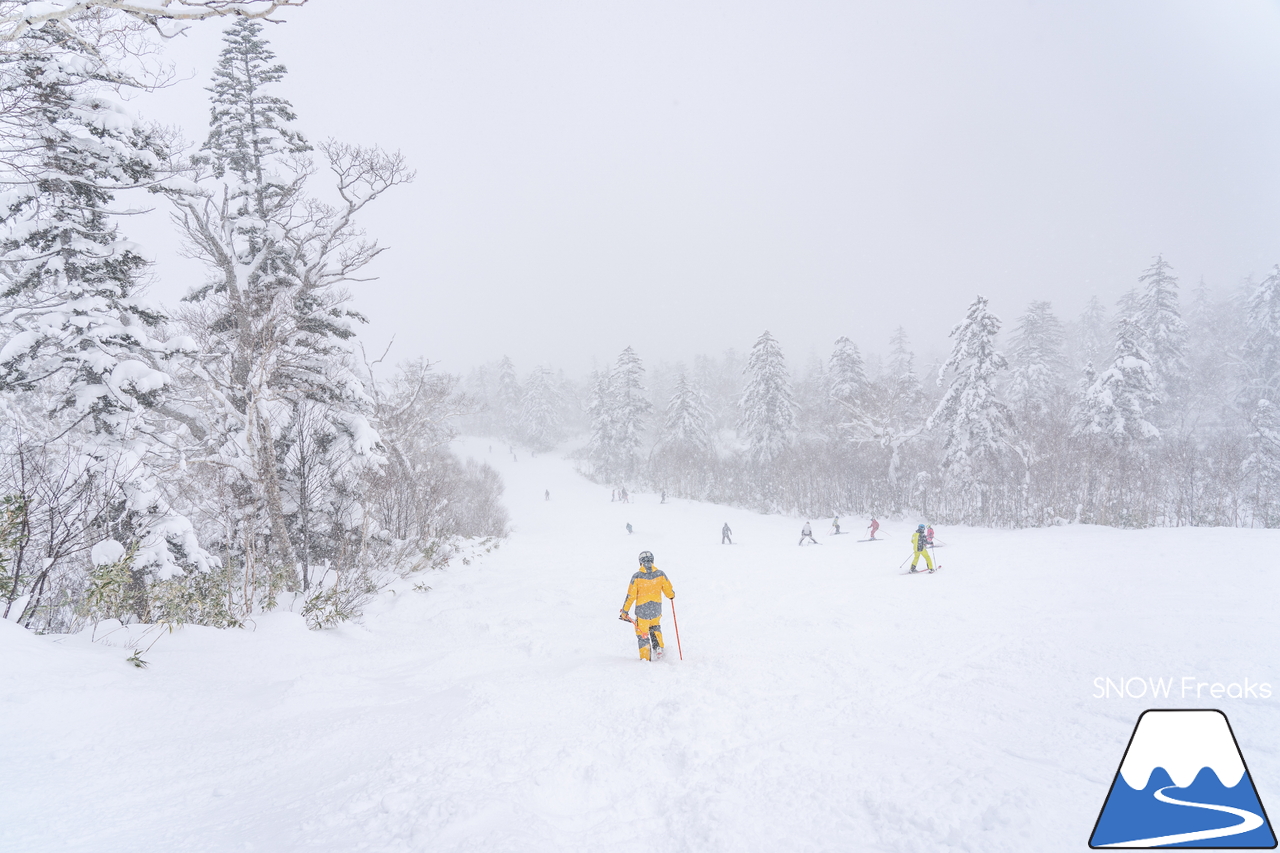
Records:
x=645, y=627
x=927, y=559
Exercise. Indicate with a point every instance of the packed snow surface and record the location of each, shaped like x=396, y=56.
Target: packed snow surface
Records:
x=826, y=700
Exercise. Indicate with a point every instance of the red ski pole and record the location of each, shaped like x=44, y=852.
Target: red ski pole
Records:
x=676, y=622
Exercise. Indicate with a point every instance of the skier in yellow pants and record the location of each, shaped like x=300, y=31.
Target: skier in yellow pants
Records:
x=646, y=590
x=919, y=543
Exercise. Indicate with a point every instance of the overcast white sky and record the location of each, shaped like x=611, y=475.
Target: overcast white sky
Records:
x=679, y=176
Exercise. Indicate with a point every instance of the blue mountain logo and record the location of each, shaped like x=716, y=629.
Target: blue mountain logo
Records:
x=1183, y=783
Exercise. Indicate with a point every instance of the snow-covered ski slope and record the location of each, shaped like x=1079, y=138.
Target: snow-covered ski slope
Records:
x=825, y=702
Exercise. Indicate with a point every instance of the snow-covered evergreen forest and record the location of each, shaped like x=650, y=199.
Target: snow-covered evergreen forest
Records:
x=359, y=361
x=1157, y=411
x=198, y=463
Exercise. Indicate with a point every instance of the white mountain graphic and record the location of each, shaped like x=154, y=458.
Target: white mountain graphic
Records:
x=1183, y=743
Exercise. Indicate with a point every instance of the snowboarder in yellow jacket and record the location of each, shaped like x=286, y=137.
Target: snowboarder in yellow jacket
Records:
x=919, y=544
x=646, y=590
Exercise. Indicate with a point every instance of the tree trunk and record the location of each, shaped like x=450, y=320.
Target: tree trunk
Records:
x=280, y=541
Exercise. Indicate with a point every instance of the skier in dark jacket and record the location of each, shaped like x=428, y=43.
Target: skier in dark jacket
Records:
x=725, y=534
x=919, y=546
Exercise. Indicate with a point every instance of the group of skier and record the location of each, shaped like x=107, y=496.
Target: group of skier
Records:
x=650, y=584
x=806, y=532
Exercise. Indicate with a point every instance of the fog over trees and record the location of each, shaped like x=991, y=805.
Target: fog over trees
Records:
x=204, y=461
x=1153, y=413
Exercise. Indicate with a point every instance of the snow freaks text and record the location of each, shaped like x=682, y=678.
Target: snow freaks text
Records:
x=1186, y=687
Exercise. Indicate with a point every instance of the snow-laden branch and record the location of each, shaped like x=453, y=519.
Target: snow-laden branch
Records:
x=16, y=18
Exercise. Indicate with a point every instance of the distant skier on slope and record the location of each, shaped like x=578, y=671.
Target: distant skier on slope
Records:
x=928, y=536
x=807, y=532
x=628, y=528
x=646, y=590
x=726, y=534
x=919, y=544
x=835, y=525
x=548, y=494
x=873, y=526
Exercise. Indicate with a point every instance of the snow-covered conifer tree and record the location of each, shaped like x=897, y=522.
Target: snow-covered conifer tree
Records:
x=249, y=128
x=847, y=381
x=1129, y=303
x=1164, y=334
x=1262, y=466
x=894, y=412
x=905, y=396
x=1089, y=339
x=976, y=424
x=617, y=409
x=816, y=411
x=1037, y=363
x=1040, y=399
x=540, y=419
x=1260, y=352
x=601, y=410
x=274, y=319
x=72, y=323
x=1215, y=361
x=684, y=447
x=510, y=395
x=685, y=427
x=250, y=318
x=721, y=380
x=1117, y=403
x=631, y=406
x=768, y=409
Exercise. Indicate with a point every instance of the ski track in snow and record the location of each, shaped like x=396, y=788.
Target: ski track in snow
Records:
x=824, y=702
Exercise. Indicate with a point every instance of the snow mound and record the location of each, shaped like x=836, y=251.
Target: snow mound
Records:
x=106, y=552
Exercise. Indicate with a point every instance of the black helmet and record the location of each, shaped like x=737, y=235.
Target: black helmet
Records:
x=646, y=558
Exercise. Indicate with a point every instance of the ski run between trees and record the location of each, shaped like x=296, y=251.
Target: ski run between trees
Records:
x=822, y=704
